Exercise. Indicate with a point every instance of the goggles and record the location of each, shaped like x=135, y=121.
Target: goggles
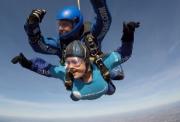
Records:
x=74, y=62
x=65, y=23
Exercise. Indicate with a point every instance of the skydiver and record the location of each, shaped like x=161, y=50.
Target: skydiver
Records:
x=71, y=27
x=88, y=82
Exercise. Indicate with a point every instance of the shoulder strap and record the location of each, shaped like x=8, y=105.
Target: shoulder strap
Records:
x=96, y=55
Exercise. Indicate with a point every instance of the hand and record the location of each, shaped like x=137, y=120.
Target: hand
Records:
x=36, y=16
x=130, y=26
x=128, y=31
x=21, y=59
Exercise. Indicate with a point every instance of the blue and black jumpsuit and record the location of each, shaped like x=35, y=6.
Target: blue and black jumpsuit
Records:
x=53, y=46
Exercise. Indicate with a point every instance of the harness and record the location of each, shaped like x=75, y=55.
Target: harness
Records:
x=95, y=57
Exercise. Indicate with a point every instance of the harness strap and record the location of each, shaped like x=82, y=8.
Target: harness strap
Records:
x=96, y=55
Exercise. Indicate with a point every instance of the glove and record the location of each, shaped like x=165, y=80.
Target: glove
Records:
x=97, y=2
x=128, y=31
x=21, y=59
x=36, y=16
x=130, y=26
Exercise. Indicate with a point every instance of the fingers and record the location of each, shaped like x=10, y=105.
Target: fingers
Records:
x=137, y=24
x=39, y=13
x=133, y=24
x=129, y=27
x=15, y=60
x=21, y=55
x=36, y=16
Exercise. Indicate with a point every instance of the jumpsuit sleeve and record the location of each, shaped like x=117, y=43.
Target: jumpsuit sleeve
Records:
x=120, y=55
x=42, y=67
x=39, y=43
x=103, y=19
x=125, y=50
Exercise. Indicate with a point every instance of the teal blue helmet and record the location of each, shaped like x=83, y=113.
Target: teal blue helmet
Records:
x=73, y=14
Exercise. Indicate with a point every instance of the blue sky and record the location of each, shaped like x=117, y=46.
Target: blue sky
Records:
x=152, y=75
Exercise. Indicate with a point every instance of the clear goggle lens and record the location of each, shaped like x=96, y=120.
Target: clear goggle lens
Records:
x=76, y=62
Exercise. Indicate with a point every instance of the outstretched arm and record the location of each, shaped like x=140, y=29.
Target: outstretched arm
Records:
x=36, y=40
x=103, y=19
x=40, y=66
x=125, y=50
x=127, y=40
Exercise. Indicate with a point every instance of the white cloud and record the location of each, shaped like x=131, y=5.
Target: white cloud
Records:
x=27, y=109
x=174, y=47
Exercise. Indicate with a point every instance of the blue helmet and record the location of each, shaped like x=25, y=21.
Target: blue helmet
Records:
x=71, y=13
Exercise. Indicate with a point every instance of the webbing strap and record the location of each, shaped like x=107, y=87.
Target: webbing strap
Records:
x=96, y=54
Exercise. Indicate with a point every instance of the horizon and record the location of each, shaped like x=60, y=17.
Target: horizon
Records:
x=151, y=75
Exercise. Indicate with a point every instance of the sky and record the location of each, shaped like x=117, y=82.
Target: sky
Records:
x=152, y=75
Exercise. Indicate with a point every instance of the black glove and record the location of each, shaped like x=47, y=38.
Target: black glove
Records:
x=36, y=16
x=130, y=26
x=128, y=31
x=97, y=2
x=21, y=59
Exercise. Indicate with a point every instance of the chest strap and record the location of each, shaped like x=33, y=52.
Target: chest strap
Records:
x=96, y=56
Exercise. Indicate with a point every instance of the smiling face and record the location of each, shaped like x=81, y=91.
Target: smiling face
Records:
x=76, y=66
x=65, y=26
